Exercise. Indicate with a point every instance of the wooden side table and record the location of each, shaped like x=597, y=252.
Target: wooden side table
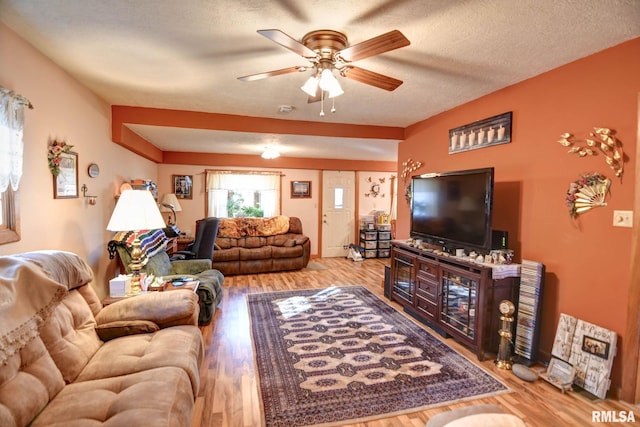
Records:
x=183, y=242
x=172, y=245
x=192, y=285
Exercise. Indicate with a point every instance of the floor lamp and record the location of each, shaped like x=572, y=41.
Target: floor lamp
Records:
x=136, y=210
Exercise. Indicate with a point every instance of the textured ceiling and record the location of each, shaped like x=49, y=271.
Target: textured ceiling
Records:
x=188, y=54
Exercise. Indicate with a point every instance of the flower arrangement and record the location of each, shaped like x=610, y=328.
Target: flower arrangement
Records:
x=56, y=148
x=587, y=192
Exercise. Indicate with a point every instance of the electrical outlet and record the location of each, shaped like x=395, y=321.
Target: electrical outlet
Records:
x=623, y=218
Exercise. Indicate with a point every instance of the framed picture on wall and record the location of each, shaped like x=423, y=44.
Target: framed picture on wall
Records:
x=483, y=133
x=65, y=184
x=300, y=189
x=183, y=186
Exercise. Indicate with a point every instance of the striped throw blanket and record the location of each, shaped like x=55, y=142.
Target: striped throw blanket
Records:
x=152, y=242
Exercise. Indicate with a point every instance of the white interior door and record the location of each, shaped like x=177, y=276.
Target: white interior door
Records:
x=338, y=212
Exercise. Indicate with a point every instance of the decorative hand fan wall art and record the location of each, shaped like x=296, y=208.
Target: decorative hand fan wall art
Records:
x=328, y=50
x=586, y=193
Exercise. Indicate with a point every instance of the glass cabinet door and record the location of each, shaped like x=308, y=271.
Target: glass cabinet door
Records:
x=403, y=284
x=459, y=302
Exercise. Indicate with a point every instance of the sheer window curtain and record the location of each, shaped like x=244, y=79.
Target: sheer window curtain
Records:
x=267, y=184
x=11, y=133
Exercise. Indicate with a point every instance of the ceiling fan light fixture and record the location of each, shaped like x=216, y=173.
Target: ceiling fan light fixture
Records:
x=310, y=87
x=329, y=50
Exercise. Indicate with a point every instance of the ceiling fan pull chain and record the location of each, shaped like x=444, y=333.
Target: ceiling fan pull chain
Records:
x=333, y=105
x=321, y=102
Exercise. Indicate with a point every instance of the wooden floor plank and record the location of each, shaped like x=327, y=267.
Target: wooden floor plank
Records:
x=228, y=394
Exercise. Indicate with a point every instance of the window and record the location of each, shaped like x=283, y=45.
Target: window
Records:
x=241, y=193
x=11, y=152
x=9, y=230
x=338, y=198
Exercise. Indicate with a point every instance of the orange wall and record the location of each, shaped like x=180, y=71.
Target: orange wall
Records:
x=587, y=261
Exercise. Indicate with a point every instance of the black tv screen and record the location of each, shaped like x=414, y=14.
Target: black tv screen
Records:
x=453, y=208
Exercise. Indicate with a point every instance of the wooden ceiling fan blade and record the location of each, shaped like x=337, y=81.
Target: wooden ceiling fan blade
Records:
x=317, y=98
x=286, y=41
x=273, y=73
x=375, y=46
x=370, y=78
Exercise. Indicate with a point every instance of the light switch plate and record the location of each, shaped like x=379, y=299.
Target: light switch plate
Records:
x=623, y=218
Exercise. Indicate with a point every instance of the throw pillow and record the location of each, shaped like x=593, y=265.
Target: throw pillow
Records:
x=121, y=328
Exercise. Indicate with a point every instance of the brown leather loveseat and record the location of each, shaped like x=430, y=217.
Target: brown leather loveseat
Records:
x=260, y=245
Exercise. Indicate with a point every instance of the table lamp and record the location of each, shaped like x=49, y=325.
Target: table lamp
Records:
x=136, y=210
x=171, y=204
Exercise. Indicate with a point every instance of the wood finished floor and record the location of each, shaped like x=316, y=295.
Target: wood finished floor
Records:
x=228, y=393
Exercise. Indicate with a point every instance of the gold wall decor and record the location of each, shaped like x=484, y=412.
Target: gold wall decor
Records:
x=601, y=139
x=409, y=166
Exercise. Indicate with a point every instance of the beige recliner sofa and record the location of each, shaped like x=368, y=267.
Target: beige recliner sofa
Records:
x=65, y=360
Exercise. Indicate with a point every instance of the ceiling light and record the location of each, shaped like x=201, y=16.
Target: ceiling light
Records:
x=270, y=153
x=327, y=80
x=311, y=86
x=329, y=86
x=336, y=90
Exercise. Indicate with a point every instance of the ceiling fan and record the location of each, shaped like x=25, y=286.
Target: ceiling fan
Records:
x=328, y=50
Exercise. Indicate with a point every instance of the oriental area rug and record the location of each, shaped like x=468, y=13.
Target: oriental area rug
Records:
x=341, y=354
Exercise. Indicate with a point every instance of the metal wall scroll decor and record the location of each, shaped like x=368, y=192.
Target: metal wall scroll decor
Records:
x=483, y=133
x=601, y=139
x=408, y=167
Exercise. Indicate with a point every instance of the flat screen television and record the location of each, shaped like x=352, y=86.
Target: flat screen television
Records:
x=453, y=209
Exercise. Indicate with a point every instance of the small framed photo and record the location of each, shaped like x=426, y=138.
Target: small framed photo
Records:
x=183, y=186
x=300, y=189
x=595, y=346
x=65, y=184
x=559, y=373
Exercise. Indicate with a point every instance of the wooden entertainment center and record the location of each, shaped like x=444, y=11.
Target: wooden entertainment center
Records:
x=456, y=297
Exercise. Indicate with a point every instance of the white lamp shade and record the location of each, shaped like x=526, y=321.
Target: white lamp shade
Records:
x=136, y=210
x=311, y=86
x=327, y=80
x=170, y=199
x=336, y=90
